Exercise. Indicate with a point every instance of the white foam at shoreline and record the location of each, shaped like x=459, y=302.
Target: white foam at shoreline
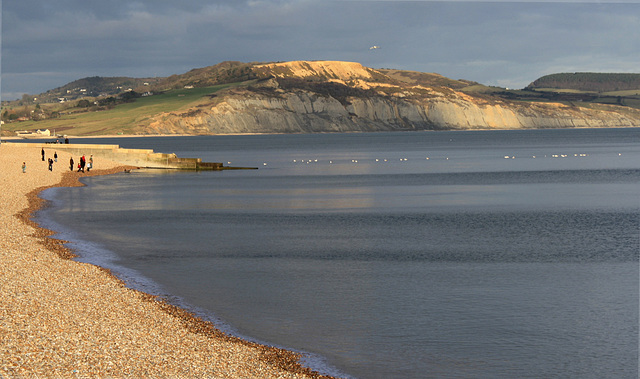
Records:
x=96, y=254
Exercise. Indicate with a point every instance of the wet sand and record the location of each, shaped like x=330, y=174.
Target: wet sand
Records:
x=62, y=318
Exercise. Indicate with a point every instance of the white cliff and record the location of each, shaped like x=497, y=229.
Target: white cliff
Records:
x=300, y=111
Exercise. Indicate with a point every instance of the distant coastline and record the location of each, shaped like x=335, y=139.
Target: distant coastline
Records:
x=235, y=98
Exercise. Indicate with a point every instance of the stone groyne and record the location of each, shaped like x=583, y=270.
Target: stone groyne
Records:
x=145, y=158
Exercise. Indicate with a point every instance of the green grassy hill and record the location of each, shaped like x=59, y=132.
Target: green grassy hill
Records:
x=588, y=81
x=126, y=118
x=222, y=73
x=94, y=87
x=583, y=89
x=425, y=79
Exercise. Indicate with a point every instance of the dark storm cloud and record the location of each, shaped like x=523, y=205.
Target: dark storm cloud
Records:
x=47, y=44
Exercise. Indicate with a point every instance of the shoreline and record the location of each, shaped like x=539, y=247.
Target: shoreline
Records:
x=42, y=139
x=241, y=358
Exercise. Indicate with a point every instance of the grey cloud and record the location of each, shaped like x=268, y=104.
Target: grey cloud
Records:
x=498, y=43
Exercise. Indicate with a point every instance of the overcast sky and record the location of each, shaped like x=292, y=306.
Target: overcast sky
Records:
x=46, y=43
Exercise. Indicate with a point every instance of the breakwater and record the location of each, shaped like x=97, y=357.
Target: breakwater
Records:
x=146, y=158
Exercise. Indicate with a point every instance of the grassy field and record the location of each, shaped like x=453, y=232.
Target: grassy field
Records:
x=634, y=92
x=561, y=90
x=124, y=118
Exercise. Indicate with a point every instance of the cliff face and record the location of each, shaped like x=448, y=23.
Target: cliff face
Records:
x=300, y=111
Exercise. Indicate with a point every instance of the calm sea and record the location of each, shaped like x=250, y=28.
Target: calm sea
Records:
x=469, y=254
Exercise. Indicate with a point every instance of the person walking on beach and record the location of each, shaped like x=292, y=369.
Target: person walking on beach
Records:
x=50, y=164
x=90, y=165
x=43, y=154
x=71, y=164
x=83, y=162
x=24, y=167
x=55, y=156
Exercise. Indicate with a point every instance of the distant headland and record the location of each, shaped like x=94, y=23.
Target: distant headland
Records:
x=320, y=97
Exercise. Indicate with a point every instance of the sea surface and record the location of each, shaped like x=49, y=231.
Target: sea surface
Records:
x=466, y=254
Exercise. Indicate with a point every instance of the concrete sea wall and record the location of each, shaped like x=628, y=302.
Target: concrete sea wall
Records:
x=146, y=158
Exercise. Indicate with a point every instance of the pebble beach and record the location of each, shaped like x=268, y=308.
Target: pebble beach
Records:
x=61, y=318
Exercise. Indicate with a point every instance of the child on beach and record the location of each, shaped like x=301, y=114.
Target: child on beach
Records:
x=24, y=167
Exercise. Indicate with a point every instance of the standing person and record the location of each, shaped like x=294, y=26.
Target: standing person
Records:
x=50, y=164
x=24, y=167
x=83, y=162
x=43, y=154
x=71, y=163
x=55, y=156
x=90, y=166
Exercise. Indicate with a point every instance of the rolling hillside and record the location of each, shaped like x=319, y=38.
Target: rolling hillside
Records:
x=312, y=97
x=588, y=81
x=96, y=86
